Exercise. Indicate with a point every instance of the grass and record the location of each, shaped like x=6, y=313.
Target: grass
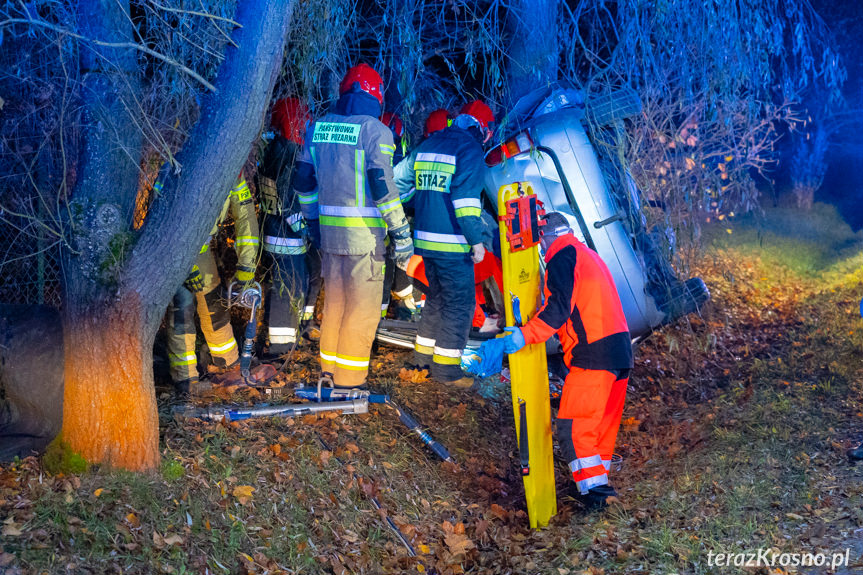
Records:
x=743, y=415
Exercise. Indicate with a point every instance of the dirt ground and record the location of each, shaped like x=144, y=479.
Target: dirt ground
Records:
x=734, y=439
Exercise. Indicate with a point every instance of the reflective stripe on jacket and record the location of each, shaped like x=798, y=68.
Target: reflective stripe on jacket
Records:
x=583, y=307
x=349, y=183
x=444, y=178
x=247, y=238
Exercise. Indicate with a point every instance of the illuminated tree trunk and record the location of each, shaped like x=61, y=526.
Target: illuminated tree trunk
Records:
x=109, y=410
x=118, y=281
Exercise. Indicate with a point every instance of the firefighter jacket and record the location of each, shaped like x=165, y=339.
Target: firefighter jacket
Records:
x=582, y=306
x=344, y=178
x=443, y=178
x=246, y=235
x=282, y=218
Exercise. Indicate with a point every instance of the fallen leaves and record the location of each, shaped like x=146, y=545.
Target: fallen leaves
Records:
x=243, y=493
x=414, y=375
x=168, y=540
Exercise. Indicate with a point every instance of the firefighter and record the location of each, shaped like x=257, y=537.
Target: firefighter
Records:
x=582, y=306
x=446, y=171
x=283, y=227
x=394, y=277
x=203, y=290
x=437, y=121
x=345, y=184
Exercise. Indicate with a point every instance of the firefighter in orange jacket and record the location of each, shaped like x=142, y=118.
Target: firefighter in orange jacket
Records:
x=582, y=306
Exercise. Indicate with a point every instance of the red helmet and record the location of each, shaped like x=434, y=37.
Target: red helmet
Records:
x=369, y=81
x=480, y=111
x=437, y=120
x=290, y=117
x=394, y=123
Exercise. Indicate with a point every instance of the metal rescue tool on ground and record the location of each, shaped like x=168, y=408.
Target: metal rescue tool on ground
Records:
x=249, y=297
x=519, y=214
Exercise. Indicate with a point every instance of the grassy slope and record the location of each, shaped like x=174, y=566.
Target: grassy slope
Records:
x=737, y=423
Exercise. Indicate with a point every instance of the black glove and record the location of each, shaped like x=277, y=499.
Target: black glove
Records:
x=314, y=231
x=403, y=247
x=194, y=281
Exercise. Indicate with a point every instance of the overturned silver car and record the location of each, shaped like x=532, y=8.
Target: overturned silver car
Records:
x=545, y=142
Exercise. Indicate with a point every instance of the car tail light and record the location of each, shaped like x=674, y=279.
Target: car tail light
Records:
x=518, y=144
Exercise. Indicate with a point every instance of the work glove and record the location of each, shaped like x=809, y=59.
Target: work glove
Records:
x=477, y=253
x=194, y=282
x=402, y=246
x=514, y=341
x=313, y=228
x=244, y=275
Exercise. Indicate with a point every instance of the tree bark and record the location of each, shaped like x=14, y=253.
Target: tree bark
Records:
x=533, y=47
x=110, y=319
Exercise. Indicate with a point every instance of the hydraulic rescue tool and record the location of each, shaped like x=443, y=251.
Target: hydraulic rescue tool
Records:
x=520, y=214
x=326, y=395
x=250, y=298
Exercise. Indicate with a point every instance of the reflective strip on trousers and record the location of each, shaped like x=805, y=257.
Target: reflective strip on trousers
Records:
x=347, y=361
x=176, y=360
x=223, y=349
x=308, y=312
x=282, y=334
x=446, y=356
x=584, y=485
x=584, y=463
x=248, y=241
x=424, y=345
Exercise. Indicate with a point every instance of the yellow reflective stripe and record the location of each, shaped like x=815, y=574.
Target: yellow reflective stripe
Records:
x=242, y=192
x=390, y=206
x=360, y=176
x=434, y=167
x=443, y=360
x=205, y=248
x=352, y=367
x=221, y=349
x=423, y=349
x=248, y=240
x=182, y=359
x=464, y=212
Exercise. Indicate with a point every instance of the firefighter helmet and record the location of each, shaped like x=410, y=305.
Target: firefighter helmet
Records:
x=290, y=117
x=394, y=123
x=480, y=111
x=367, y=79
x=437, y=120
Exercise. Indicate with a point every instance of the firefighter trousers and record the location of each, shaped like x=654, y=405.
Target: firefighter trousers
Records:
x=351, y=314
x=215, y=323
x=446, y=318
x=588, y=420
x=313, y=267
x=289, y=283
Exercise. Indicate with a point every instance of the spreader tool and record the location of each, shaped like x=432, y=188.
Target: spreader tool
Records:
x=250, y=298
x=262, y=411
x=328, y=395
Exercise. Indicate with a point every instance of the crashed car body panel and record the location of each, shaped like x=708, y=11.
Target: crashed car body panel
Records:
x=560, y=161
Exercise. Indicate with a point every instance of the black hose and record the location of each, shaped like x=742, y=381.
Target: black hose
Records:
x=413, y=425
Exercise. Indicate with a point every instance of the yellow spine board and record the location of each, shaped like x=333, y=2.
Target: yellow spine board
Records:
x=529, y=370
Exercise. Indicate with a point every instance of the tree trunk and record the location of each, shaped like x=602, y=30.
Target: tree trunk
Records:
x=109, y=409
x=532, y=47
x=118, y=283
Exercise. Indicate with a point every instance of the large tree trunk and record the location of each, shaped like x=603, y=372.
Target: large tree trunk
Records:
x=119, y=284
x=532, y=45
x=109, y=405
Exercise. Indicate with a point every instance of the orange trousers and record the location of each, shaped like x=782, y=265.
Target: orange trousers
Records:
x=588, y=420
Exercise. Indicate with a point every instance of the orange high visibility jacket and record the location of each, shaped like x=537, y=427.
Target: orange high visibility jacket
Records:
x=582, y=306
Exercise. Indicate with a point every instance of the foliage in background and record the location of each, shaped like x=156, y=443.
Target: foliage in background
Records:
x=717, y=82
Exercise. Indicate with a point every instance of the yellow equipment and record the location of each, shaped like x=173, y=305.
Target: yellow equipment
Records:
x=519, y=233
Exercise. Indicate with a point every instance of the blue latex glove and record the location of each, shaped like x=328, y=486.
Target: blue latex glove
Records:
x=514, y=341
